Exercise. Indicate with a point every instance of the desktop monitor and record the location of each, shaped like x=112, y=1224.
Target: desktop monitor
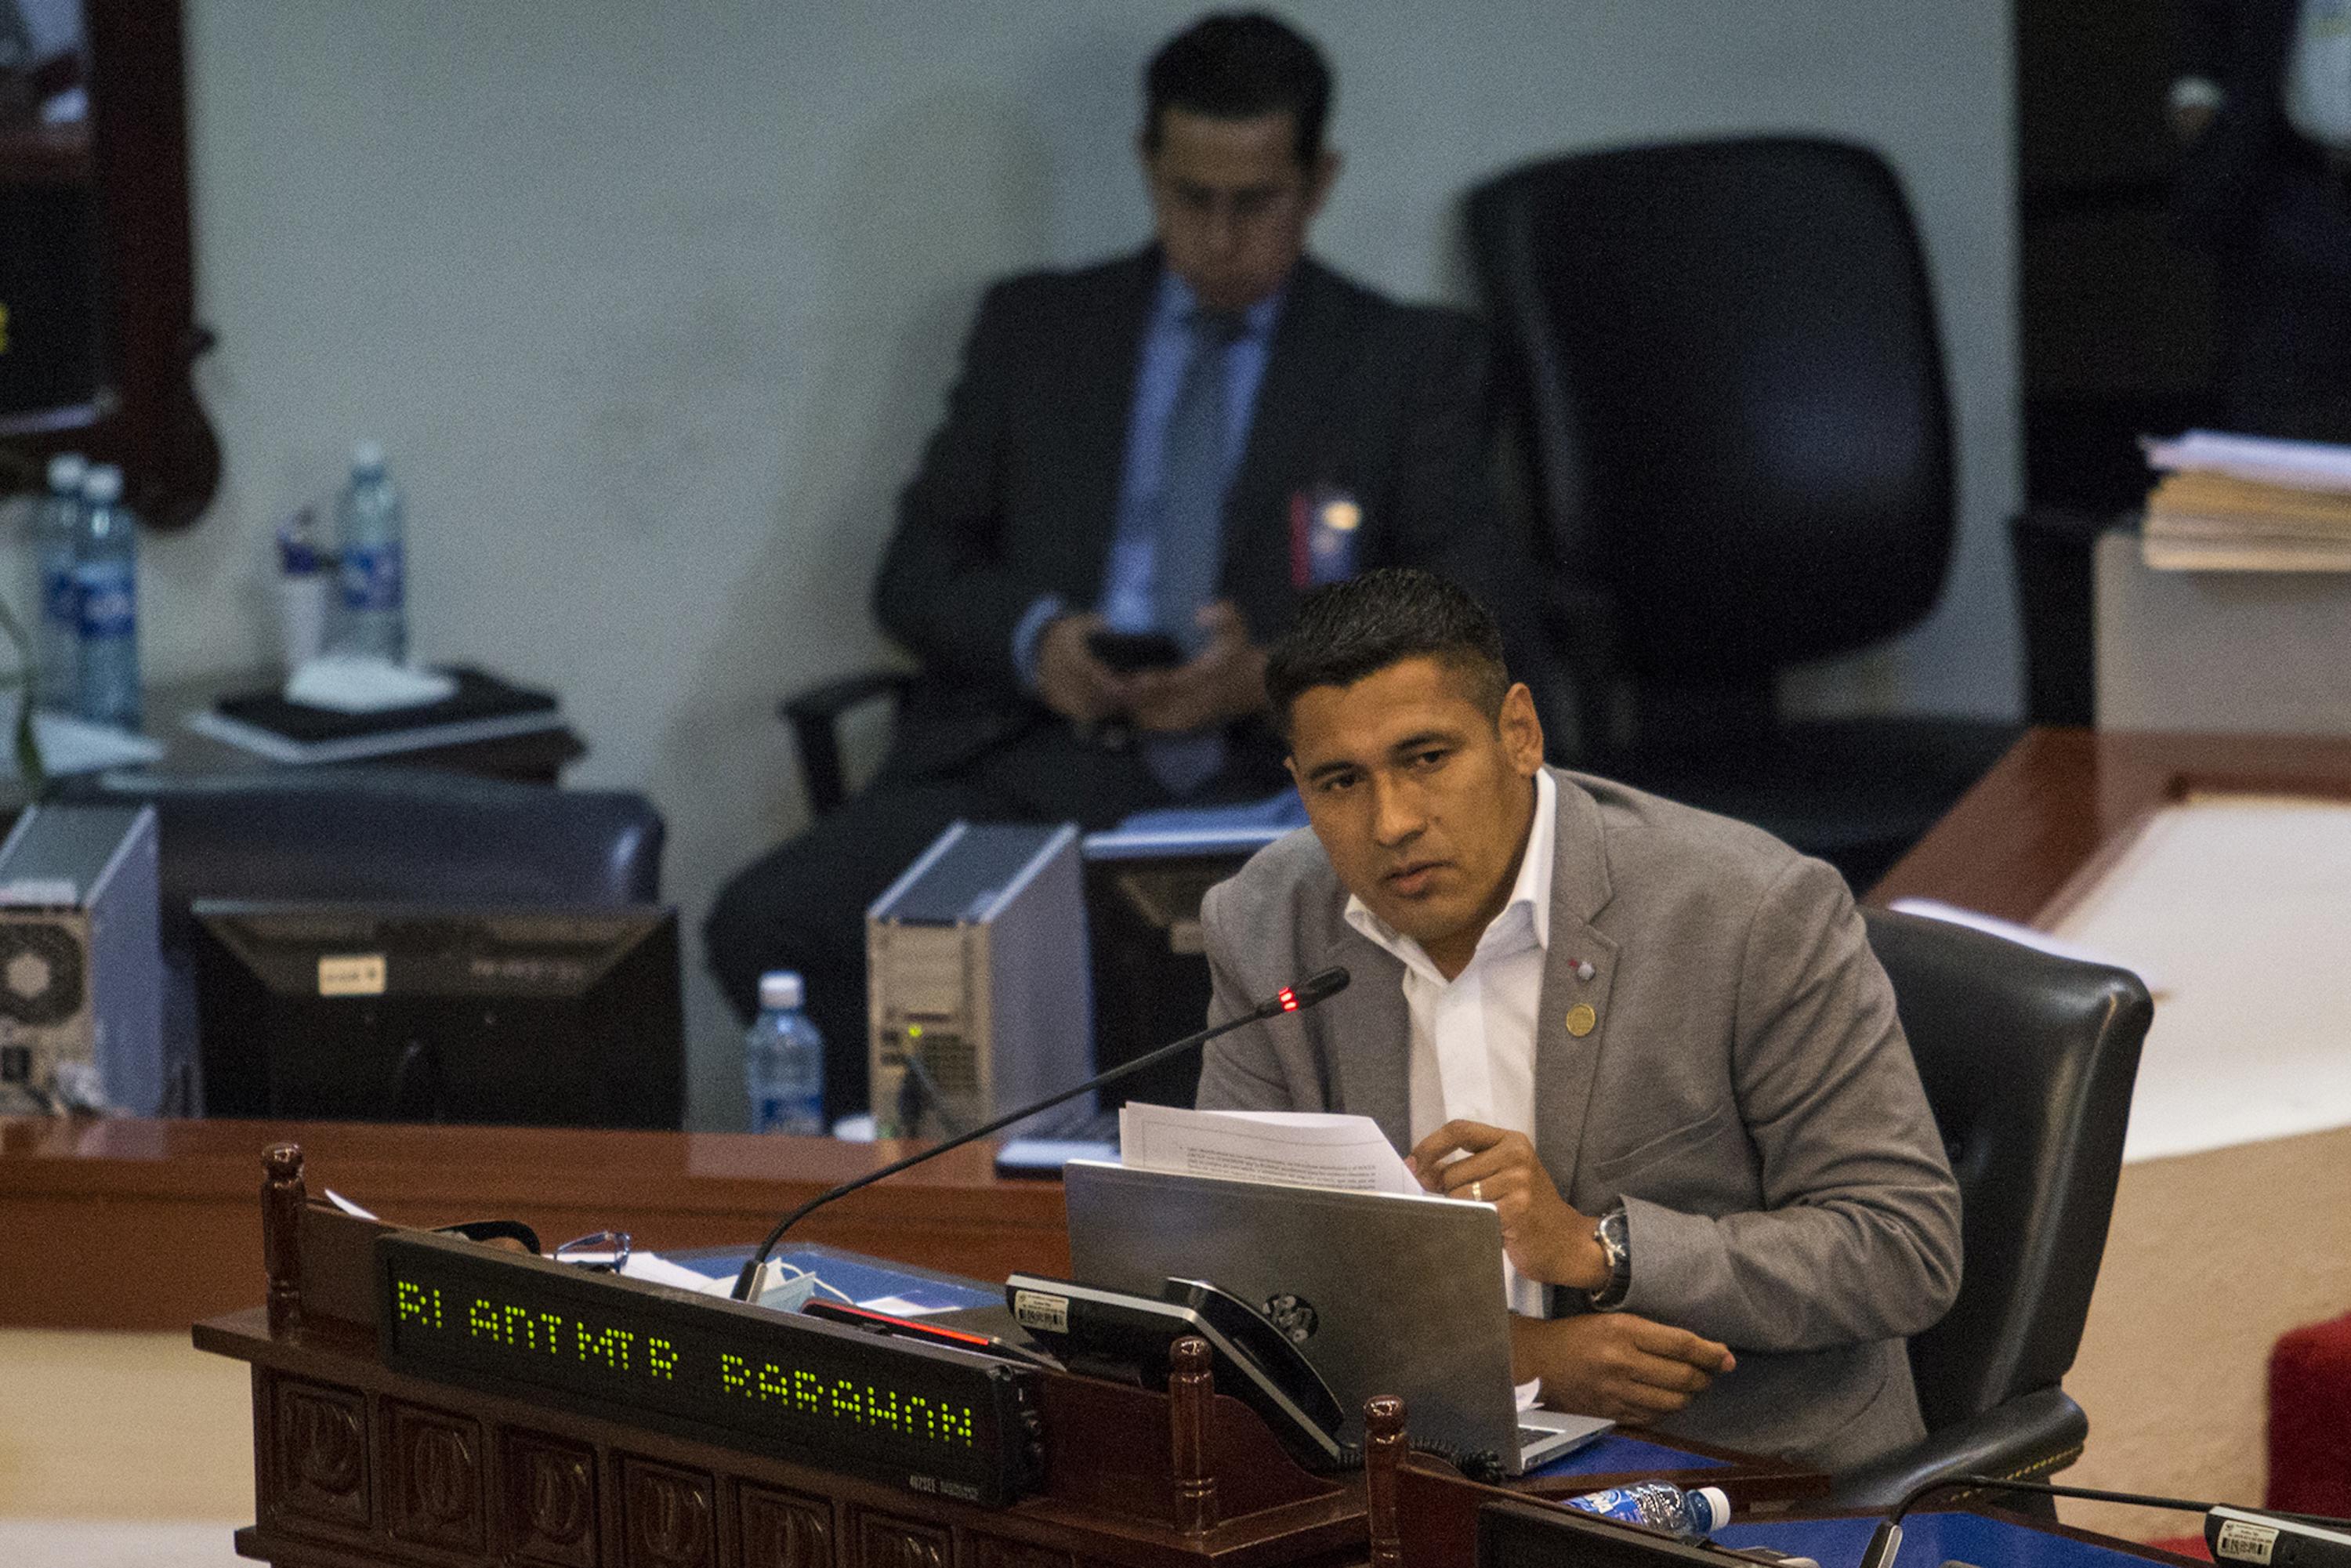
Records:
x=1149, y=968
x=550, y=1016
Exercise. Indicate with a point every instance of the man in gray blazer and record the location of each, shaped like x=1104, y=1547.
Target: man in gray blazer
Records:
x=1656, y=1040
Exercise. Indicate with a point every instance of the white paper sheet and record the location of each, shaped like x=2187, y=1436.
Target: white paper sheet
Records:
x=1289, y=1148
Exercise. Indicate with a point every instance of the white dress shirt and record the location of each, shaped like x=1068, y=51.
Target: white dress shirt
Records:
x=1473, y=1037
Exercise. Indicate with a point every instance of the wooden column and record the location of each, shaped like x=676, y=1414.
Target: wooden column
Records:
x=1191, y=1390
x=1383, y=1451
x=283, y=1196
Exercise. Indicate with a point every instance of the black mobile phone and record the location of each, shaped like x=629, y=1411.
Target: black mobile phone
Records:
x=1127, y=652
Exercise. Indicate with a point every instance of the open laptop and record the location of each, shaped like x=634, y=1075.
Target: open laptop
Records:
x=1385, y=1294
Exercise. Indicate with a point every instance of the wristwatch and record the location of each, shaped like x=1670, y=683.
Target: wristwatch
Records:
x=1615, y=1234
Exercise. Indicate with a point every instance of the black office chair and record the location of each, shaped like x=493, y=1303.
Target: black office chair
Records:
x=1722, y=364
x=2028, y=1061
x=362, y=834
x=816, y=715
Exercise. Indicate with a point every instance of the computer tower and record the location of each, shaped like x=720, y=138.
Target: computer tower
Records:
x=81, y=1009
x=978, y=994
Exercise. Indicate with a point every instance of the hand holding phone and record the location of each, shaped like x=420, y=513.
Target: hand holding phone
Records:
x=1128, y=652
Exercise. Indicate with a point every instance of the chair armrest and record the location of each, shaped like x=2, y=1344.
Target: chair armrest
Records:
x=815, y=718
x=2029, y=1438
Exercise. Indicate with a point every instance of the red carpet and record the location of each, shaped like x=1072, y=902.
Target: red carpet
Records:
x=2310, y=1419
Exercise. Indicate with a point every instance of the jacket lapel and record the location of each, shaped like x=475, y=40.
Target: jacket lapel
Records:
x=1566, y=1063
x=1370, y=1033
x=1305, y=369
x=1095, y=401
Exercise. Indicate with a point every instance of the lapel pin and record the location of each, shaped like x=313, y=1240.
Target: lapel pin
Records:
x=1583, y=970
x=1580, y=1019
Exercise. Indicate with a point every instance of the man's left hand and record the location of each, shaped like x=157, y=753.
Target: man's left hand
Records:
x=1224, y=681
x=1542, y=1234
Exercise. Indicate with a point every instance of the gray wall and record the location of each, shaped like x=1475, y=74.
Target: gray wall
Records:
x=653, y=304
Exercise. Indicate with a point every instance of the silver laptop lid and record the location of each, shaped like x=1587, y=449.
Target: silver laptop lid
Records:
x=1385, y=1294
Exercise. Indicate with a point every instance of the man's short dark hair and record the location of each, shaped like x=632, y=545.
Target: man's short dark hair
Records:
x=1238, y=65
x=1353, y=629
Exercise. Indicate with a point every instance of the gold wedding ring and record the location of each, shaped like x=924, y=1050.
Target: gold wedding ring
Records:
x=1477, y=1192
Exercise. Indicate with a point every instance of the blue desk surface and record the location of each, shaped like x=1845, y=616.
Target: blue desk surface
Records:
x=1619, y=1454
x=1929, y=1540
x=855, y=1275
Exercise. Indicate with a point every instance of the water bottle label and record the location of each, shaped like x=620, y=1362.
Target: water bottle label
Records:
x=106, y=599
x=372, y=577
x=59, y=606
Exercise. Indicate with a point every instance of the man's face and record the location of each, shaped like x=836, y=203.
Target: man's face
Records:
x=1421, y=800
x=1231, y=202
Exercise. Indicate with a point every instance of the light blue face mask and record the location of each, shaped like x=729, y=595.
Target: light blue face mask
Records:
x=784, y=1287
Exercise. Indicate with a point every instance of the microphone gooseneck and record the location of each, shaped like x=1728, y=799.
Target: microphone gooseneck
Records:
x=1317, y=987
x=1886, y=1539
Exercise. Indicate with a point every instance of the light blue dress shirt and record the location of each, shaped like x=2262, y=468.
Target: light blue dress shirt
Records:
x=1129, y=570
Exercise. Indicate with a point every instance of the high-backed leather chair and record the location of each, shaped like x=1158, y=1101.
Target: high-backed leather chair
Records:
x=1721, y=361
x=2028, y=1061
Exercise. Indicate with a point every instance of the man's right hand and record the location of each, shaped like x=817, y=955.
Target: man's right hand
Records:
x=1070, y=680
x=1631, y=1369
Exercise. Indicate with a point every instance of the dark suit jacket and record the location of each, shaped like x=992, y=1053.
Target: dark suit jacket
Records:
x=1018, y=492
x=2242, y=44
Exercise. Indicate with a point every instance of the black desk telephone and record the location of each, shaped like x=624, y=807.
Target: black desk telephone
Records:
x=1112, y=1334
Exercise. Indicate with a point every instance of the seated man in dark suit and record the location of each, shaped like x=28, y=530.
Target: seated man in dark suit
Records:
x=1171, y=446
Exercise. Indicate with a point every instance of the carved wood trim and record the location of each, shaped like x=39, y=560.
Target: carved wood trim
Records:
x=550, y=1515
x=885, y=1541
x=319, y=1462
x=435, y=1483
x=669, y=1517
x=786, y=1530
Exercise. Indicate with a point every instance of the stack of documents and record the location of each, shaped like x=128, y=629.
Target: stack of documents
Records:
x=2247, y=503
x=1287, y=1148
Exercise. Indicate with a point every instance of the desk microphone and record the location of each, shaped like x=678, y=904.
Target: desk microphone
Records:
x=1320, y=986
x=2263, y=1537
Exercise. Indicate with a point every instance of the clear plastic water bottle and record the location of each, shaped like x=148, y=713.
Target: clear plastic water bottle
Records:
x=783, y=1060
x=1692, y=1515
x=372, y=609
x=106, y=602
x=56, y=532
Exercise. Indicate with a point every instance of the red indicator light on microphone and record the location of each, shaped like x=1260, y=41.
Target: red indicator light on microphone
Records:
x=1289, y=999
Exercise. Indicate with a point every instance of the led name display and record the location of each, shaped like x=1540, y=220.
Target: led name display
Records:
x=937, y=1419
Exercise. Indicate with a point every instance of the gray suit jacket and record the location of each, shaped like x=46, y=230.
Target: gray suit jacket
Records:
x=1747, y=1094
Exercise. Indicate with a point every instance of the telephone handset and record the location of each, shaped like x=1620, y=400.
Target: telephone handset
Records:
x=1113, y=1333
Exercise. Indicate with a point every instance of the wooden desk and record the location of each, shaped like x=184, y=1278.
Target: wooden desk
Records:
x=132, y=1224
x=2063, y=797
x=2170, y=1373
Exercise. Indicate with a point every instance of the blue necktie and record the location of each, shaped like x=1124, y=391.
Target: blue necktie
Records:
x=1190, y=553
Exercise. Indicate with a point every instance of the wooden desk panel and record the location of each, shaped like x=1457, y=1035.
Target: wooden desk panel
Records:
x=138, y=1224
x=2062, y=798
